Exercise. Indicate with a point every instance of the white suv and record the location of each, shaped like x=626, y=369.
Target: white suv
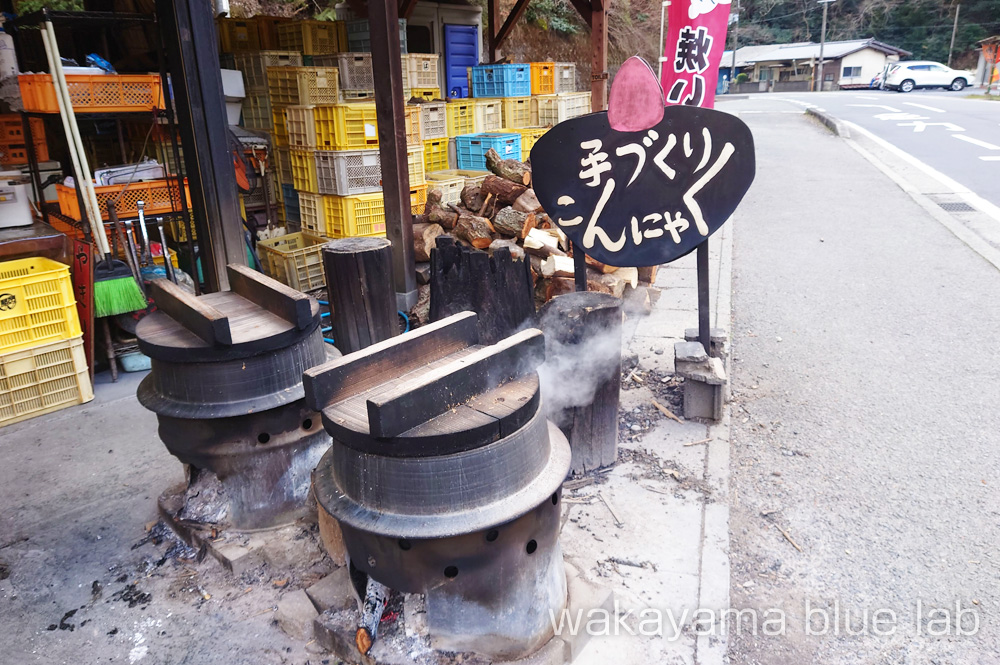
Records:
x=905, y=76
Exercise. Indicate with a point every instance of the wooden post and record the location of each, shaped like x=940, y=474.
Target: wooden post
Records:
x=498, y=288
x=359, y=286
x=492, y=24
x=581, y=377
x=599, y=53
x=383, y=19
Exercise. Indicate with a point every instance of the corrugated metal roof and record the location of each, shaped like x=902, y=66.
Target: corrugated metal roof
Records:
x=799, y=51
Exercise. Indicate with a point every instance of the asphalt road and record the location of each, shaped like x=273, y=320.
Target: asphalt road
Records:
x=957, y=136
x=866, y=378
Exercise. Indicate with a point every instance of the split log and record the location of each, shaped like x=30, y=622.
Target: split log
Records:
x=510, y=222
x=558, y=266
x=611, y=283
x=505, y=191
x=438, y=213
x=477, y=231
x=527, y=202
x=548, y=288
x=539, y=243
x=530, y=223
x=424, y=238
x=648, y=274
x=594, y=263
x=516, y=251
x=508, y=169
x=471, y=197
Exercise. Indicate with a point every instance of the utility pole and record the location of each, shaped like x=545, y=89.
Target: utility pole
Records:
x=736, y=44
x=954, y=31
x=663, y=46
x=822, y=43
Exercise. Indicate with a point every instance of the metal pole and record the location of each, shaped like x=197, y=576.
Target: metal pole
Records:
x=704, y=308
x=822, y=43
x=736, y=45
x=663, y=46
x=954, y=31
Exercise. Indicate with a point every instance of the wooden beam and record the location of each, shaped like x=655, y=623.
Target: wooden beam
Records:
x=362, y=370
x=492, y=21
x=440, y=390
x=406, y=8
x=584, y=8
x=383, y=24
x=512, y=18
x=599, y=62
x=291, y=305
x=191, y=312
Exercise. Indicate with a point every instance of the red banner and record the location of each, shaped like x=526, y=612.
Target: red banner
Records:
x=696, y=38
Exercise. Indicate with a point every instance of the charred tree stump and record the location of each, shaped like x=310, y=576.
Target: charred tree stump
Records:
x=362, y=298
x=581, y=377
x=498, y=288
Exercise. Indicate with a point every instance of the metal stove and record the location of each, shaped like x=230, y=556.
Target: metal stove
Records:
x=445, y=478
x=226, y=386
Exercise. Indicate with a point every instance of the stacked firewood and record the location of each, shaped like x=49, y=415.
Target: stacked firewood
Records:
x=504, y=212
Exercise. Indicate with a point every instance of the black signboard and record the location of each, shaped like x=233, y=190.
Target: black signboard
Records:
x=643, y=198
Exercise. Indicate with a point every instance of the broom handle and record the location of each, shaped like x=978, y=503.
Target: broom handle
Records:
x=72, y=130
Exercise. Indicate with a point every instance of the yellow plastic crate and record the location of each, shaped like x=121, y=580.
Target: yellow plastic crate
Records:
x=470, y=176
x=280, y=131
x=346, y=126
x=358, y=215
x=304, y=170
x=295, y=259
x=426, y=94
x=528, y=137
x=418, y=198
x=451, y=187
x=550, y=110
x=310, y=37
x=300, y=123
x=312, y=214
x=237, y=35
x=435, y=155
x=254, y=66
x=415, y=164
x=413, y=125
x=43, y=379
x=461, y=117
x=516, y=112
x=488, y=115
x=283, y=165
x=36, y=304
x=543, y=78
x=298, y=86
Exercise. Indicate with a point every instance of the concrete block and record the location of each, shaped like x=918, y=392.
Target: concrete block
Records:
x=333, y=592
x=583, y=596
x=236, y=558
x=689, y=352
x=712, y=371
x=334, y=631
x=720, y=337
x=702, y=400
x=296, y=615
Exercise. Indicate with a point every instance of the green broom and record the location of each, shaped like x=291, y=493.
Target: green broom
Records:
x=115, y=288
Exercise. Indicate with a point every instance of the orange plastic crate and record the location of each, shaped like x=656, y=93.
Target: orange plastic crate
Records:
x=543, y=78
x=159, y=196
x=93, y=93
x=12, y=131
x=17, y=155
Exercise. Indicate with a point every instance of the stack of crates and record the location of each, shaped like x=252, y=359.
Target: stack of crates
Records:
x=43, y=367
x=257, y=103
x=312, y=37
x=358, y=32
x=13, y=148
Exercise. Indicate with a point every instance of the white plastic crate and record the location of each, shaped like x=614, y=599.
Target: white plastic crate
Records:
x=451, y=186
x=355, y=69
x=348, y=172
x=565, y=77
x=421, y=70
x=254, y=66
x=489, y=115
x=433, y=120
x=301, y=125
x=550, y=110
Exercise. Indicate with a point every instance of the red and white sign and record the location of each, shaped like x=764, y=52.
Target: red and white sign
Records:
x=696, y=38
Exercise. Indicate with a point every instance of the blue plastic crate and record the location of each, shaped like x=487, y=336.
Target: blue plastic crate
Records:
x=471, y=149
x=291, y=200
x=501, y=80
x=358, y=40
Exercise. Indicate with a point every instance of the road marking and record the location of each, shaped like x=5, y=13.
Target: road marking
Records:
x=990, y=159
x=919, y=126
x=865, y=97
x=900, y=116
x=926, y=108
x=981, y=144
x=973, y=199
x=876, y=106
